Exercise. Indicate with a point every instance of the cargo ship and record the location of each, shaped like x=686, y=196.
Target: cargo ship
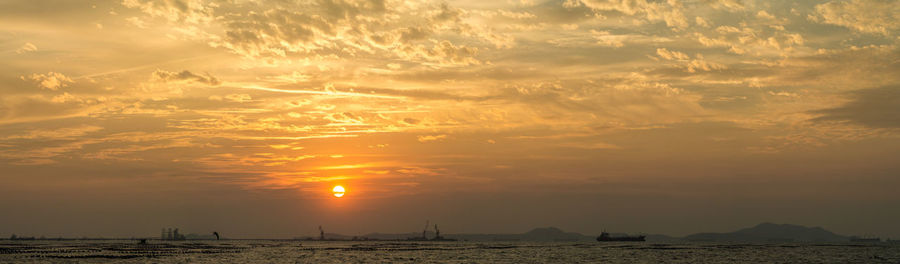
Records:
x=605, y=237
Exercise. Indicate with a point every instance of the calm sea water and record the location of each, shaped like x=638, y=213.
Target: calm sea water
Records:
x=267, y=251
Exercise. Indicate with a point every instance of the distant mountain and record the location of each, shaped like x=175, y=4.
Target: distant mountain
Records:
x=769, y=232
x=401, y=236
x=655, y=238
x=765, y=232
x=537, y=234
x=547, y=234
x=552, y=234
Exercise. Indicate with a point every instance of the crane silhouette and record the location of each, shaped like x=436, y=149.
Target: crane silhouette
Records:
x=426, y=230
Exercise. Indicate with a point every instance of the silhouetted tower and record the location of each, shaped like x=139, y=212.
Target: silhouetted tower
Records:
x=169, y=234
x=321, y=233
x=437, y=232
x=162, y=234
x=426, y=230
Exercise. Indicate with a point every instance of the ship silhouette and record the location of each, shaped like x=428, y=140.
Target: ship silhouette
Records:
x=605, y=237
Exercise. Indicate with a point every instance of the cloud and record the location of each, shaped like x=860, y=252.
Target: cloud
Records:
x=590, y=145
x=584, y=90
x=345, y=9
x=875, y=16
x=58, y=133
x=345, y=118
x=762, y=14
x=671, y=12
x=877, y=108
x=28, y=47
x=428, y=138
x=671, y=55
x=277, y=33
x=626, y=100
x=446, y=53
x=359, y=28
x=749, y=40
x=238, y=98
x=50, y=81
x=604, y=38
x=688, y=64
x=699, y=64
x=729, y=5
x=565, y=12
x=65, y=98
x=187, y=11
x=701, y=22
x=137, y=22
x=608, y=39
x=186, y=76
x=840, y=68
x=411, y=121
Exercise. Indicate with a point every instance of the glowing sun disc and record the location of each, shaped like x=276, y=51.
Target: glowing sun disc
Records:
x=338, y=191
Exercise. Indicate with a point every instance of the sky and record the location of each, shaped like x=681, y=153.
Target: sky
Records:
x=119, y=118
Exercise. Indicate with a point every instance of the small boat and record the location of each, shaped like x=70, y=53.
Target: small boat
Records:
x=605, y=237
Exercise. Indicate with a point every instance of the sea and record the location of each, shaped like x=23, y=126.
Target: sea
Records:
x=289, y=251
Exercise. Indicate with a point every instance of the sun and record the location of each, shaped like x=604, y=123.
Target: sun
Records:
x=338, y=191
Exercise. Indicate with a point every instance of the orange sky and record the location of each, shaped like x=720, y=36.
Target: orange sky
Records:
x=647, y=116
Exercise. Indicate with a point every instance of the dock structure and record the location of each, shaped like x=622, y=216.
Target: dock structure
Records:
x=437, y=234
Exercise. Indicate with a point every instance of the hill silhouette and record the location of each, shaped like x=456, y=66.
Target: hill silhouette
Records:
x=769, y=232
x=537, y=234
x=552, y=234
x=764, y=232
